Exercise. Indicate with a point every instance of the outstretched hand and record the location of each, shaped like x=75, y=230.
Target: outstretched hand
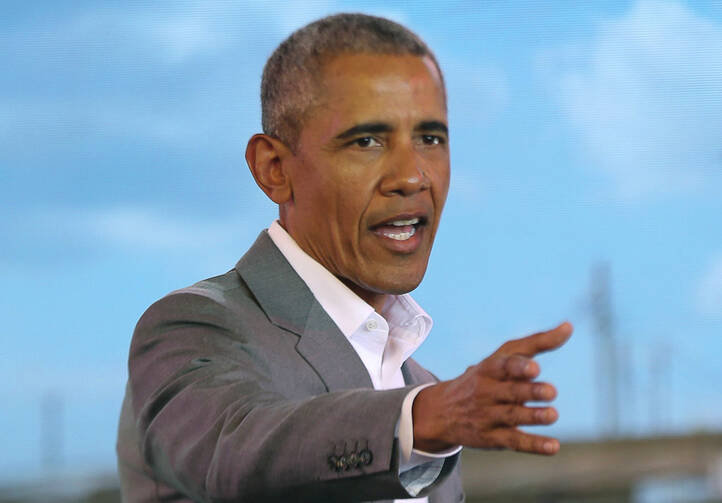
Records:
x=485, y=405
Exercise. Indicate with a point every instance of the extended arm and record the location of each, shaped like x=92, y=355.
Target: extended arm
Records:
x=217, y=420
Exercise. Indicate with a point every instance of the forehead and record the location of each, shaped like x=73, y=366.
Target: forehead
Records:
x=375, y=64
x=357, y=87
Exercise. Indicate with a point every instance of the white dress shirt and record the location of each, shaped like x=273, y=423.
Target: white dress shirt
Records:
x=382, y=341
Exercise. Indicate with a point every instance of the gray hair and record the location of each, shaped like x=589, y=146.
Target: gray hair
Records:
x=290, y=78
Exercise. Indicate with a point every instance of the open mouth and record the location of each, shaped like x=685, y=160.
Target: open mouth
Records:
x=400, y=229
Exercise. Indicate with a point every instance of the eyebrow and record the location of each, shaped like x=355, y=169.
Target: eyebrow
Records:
x=432, y=126
x=366, y=127
x=382, y=127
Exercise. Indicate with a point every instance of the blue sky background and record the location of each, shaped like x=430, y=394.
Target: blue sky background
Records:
x=581, y=132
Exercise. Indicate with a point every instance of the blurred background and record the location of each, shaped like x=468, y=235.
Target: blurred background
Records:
x=586, y=144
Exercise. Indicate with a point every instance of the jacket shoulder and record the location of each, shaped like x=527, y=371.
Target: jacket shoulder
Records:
x=219, y=289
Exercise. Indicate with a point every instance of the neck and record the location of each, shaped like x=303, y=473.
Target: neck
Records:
x=373, y=299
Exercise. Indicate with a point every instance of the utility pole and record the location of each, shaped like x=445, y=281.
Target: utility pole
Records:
x=52, y=428
x=660, y=386
x=628, y=389
x=606, y=351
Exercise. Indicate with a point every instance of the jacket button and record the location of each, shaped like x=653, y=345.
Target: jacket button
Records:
x=353, y=460
x=332, y=460
x=365, y=457
x=341, y=464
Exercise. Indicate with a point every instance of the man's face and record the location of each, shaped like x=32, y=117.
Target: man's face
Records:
x=371, y=172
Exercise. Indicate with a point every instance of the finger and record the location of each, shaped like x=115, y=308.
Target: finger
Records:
x=503, y=367
x=539, y=342
x=517, y=415
x=521, y=392
x=511, y=438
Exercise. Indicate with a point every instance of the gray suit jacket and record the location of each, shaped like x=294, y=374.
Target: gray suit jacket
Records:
x=241, y=388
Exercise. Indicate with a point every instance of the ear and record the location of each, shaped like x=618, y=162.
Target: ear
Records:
x=265, y=156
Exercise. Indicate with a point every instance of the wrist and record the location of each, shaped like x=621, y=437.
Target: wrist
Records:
x=429, y=424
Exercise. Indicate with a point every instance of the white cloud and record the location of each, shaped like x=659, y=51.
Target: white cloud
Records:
x=477, y=96
x=143, y=229
x=646, y=96
x=171, y=33
x=709, y=290
x=174, y=33
x=476, y=93
x=140, y=227
x=55, y=119
x=137, y=227
x=102, y=68
x=185, y=36
x=54, y=235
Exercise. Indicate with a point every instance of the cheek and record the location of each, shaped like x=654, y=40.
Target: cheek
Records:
x=352, y=190
x=337, y=207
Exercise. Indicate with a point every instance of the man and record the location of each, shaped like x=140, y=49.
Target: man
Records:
x=289, y=378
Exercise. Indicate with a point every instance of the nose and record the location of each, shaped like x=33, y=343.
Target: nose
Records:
x=405, y=173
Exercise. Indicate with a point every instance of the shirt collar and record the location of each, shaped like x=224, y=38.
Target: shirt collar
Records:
x=347, y=310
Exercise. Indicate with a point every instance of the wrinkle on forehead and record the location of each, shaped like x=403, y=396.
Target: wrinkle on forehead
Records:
x=358, y=88
x=378, y=79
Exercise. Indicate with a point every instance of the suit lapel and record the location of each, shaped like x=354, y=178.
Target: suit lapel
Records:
x=331, y=354
x=289, y=304
x=415, y=374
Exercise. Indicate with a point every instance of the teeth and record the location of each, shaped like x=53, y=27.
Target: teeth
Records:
x=400, y=236
x=400, y=223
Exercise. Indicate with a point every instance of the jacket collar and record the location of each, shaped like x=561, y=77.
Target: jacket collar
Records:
x=290, y=305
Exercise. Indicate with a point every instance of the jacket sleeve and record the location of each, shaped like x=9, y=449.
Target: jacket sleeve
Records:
x=212, y=423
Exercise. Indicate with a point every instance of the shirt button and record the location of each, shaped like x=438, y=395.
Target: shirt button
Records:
x=371, y=325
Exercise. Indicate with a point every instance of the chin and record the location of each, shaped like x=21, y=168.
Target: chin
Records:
x=397, y=286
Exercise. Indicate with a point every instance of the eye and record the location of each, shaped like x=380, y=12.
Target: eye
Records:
x=366, y=142
x=430, y=139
